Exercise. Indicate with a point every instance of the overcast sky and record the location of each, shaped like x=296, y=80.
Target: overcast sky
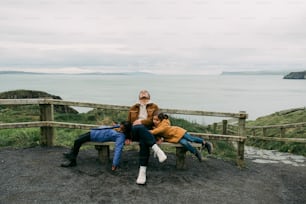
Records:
x=161, y=36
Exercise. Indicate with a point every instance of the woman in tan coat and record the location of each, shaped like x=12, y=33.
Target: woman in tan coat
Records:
x=174, y=134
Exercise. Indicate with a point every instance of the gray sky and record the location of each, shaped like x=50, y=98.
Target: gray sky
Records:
x=161, y=36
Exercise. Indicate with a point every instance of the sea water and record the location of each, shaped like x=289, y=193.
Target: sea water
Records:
x=258, y=95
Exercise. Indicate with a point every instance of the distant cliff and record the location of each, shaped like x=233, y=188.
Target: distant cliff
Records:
x=254, y=73
x=296, y=75
x=23, y=94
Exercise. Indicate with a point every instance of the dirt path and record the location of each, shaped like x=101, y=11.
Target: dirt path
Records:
x=34, y=175
x=273, y=157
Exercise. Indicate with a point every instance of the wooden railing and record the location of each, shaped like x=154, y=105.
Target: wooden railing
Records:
x=282, y=132
x=47, y=123
x=260, y=132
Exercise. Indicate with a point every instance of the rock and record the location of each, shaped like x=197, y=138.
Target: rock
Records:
x=296, y=75
x=22, y=94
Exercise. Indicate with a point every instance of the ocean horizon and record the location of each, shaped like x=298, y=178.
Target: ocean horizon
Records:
x=258, y=95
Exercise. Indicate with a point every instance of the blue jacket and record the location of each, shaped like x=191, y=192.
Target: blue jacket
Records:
x=106, y=134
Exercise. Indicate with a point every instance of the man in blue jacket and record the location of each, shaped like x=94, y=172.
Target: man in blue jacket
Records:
x=115, y=133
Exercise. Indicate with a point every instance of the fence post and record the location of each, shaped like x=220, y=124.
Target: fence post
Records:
x=253, y=132
x=264, y=132
x=241, y=132
x=215, y=128
x=224, y=125
x=47, y=133
x=282, y=131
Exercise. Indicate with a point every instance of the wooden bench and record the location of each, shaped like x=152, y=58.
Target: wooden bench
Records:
x=104, y=151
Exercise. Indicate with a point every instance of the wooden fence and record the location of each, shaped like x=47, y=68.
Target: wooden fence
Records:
x=48, y=125
x=260, y=132
x=281, y=129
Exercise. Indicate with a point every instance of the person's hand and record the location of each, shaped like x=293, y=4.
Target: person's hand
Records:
x=159, y=141
x=137, y=122
x=127, y=141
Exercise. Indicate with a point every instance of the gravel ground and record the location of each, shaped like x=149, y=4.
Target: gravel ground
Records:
x=34, y=175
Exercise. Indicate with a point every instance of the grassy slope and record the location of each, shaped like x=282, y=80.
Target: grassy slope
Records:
x=278, y=118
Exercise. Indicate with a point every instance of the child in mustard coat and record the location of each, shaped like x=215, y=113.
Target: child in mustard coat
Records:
x=174, y=134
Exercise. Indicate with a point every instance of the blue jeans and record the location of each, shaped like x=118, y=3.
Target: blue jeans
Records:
x=188, y=138
x=117, y=138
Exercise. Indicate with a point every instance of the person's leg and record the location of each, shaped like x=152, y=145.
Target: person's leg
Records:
x=75, y=150
x=191, y=138
x=140, y=132
x=205, y=144
x=135, y=132
x=146, y=140
x=144, y=152
x=187, y=145
x=190, y=148
x=78, y=143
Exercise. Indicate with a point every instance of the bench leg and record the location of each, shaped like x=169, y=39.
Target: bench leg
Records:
x=180, y=157
x=240, y=159
x=103, y=153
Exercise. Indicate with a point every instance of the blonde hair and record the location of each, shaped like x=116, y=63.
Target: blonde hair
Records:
x=144, y=92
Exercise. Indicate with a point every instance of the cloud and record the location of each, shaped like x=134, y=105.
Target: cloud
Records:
x=153, y=35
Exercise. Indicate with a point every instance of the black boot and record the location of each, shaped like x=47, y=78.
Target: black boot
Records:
x=68, y=155
x=198, y=155
x=71, y=163
x=209, y=146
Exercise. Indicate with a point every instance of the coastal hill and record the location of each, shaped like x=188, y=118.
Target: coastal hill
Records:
x=23, y=94
x=296, y=75
x=291, y=75
x=253, y=72
x=87, y=73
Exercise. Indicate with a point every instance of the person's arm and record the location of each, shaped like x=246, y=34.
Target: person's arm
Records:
x=133, y=114
x=159, y=130
x=119, y=143
x=138, y=122
x=159, y=140
x=129, y=116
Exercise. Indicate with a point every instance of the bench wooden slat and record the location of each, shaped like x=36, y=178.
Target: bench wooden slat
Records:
x=104, y=151
x=137, y=143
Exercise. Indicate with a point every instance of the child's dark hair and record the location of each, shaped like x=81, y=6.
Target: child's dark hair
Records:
x=127, y=127
x=161, y=115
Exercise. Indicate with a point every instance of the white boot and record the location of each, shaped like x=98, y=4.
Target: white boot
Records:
x=160, y=154
x=142, y=175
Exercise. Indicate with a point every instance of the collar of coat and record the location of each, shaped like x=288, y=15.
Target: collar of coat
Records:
x=149, y=102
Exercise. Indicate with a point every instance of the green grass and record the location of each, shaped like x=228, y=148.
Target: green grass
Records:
x=22, y=137
x=279, y=118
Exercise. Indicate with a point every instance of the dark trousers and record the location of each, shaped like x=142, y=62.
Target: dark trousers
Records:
x=78, y=143
x=146, y=140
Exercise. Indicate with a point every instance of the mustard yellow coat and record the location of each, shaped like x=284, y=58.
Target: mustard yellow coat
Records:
x=170, y=133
